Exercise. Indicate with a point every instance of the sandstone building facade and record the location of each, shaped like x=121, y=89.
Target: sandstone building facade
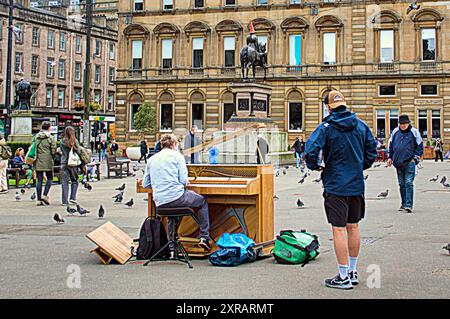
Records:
x=181, y=55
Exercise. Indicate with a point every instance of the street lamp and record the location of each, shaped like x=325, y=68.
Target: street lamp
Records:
x=8, y=71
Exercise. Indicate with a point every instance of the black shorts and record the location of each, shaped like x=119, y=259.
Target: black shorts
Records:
x=343, y=210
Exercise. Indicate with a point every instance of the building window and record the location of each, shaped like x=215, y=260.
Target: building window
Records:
x=261, y=2
x=112, y=54
x=197, y=115
x=435, y=123
x=423, y=123
x=428, y=90
x=197, y=52
x=61, y=96
x=33, y=100
x=138, y=5
x=428, y=44
x=386, y=46
x=78, y=44
x=98, y=48
x=77, y=71
x=229, y=44
x=166, y=53
x=18, y=65
x=62, y=41
x=34, y=65
x=111, y=75
x=329, y=48
x=110, y=101
x=199, y=4
x=51, y=39
x=133, y=110
x=97, y=96
x=230, y=2
x=97, y=74
x=297, y=1
x=49, y=97
x=35, y=36
x=295, y=49
x=77, y=95
x=381, y=124
x=137, y=54
x=51, y=67
x=393, y=119
x=386, y=90
x=295, y=114
x=166, y=117
x=62, y=69
x=168, y=4
x=228, y=110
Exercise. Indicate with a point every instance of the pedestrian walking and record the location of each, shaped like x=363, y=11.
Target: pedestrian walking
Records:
x=342, y=147
x=190, y=141
x=3, y=166
x=45, y=152
x=299, y=148
x=103, y=147
x=438, y=150
x=18, y=161
x=405, y=150
x=69, y=144
x=113, y=147
x=262, y=149
x=144, y=151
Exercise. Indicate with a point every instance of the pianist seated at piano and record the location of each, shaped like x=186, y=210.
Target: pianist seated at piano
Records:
x=167, y=175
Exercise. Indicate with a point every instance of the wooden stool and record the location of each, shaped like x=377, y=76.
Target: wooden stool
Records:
x=175, y=214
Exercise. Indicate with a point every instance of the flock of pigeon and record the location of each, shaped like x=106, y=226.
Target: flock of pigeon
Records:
x=443, y=181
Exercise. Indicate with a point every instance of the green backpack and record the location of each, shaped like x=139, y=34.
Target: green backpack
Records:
x=295, y=247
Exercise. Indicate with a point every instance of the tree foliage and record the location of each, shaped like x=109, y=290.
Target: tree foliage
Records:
x=145, y=119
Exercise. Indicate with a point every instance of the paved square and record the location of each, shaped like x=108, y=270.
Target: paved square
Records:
x=39, y=257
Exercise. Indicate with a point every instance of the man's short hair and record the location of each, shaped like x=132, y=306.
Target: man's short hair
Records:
x=168, y=140
x=46, y=125
x=194, y=127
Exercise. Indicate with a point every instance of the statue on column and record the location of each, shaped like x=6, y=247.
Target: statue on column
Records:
x=253, y=54
x=23, y=96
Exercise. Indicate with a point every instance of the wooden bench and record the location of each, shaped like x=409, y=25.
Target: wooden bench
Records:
x=16, y=174
x=120, y=168
x=112, y=244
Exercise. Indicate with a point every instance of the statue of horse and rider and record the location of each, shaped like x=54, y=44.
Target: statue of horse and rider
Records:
x=253, y=54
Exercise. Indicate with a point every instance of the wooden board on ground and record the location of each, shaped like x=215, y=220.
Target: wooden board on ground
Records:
x=113, y=243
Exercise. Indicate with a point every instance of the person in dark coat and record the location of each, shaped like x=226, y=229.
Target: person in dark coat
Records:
x=190, y=141
x=298, y=147
x=144, y=151
x=438, y=149
x=405, y=150
x=342, y=147
x=262, y=149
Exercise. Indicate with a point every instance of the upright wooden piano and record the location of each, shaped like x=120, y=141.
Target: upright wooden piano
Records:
x=240, y=200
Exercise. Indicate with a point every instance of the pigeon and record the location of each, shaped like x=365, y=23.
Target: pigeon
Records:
x=118, y=198
x=376, y=165
x=301, y=180
x=88, y=186
x=58, y=219
x=22, y=191
x=446, y=185
x=18, y=197
x=33, y=196
x=82, y=211
x=447, y=248
x=366, y=177
x=143, y=171
x=277, y=174
x=101, y=212
x=275, y=197
x=300, y=204
x=443, y=179
x=71, y=211
x=434, y=179
x=384, y=194
x=317, y=180
x=130, y=203
x=284, y=172
x=135, y=168
x=121, y=188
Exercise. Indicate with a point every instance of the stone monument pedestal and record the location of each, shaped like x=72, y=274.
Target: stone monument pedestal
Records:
x=21, y=126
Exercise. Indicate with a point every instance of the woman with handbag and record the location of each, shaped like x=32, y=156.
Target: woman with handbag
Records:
x=70, y=163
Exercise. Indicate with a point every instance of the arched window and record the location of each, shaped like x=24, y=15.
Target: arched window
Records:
x=265, y=32
x=294, y=30
x=329, y=29
x=295, y=114
x=197, y=35
x=166, y=112
x=166, y=36
x=197, y=110
x=228, y=108
x=386, y=26
x=427, y=23
x=134, y=101
x=229, y=33
x=137, y=41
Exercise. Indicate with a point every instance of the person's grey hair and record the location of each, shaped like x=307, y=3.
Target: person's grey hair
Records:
x=168, y=140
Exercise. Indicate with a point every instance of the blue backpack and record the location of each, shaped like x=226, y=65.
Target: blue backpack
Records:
x=234, y=250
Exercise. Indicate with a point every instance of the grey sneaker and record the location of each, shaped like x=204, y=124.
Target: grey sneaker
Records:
x=408, y=210
x=338, y=282
x=353, y=275
x=401, y=209
x=204, y=243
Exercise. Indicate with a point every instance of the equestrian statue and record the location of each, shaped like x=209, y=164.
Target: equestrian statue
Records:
x=253, y=54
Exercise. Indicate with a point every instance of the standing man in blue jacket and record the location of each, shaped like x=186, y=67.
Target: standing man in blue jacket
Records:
x=342, y=147
x=405, y=150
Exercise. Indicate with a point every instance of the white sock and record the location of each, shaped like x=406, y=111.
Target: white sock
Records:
x=352, y=263
x=343, y=271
